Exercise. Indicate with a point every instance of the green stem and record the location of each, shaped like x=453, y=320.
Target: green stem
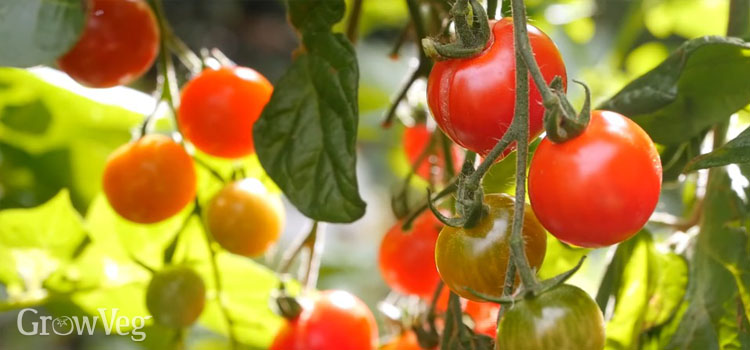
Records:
x=491, y=8
x=739, y=19
x=521, y=119
x=505, y=8
x=166, y=65
x=352, y=27
x=450, y=169
x=217, y=277
x=450, y=188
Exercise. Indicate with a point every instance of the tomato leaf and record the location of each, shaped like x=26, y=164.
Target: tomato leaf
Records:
x=714, y=318
x=306, y=136
x=735, y=151
x=38, y=31
x=694, y=88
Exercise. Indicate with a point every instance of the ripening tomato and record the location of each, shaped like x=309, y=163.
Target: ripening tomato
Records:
x=476, y=258
x=219, y=108
x=416, y=139
x=149, y=180
x=407, y=259
x=330, y=320
x=600, y=187
x=176, y=296
x=244, y=218
x=120, y=42
x=473, y=99
x=564, y=318
x=484, y=316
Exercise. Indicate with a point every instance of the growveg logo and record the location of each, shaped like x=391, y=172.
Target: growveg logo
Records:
x=67, y=325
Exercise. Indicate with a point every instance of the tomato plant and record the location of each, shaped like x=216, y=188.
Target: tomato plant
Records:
x=119, y=44
x=150, y=179
x=416, y=140
x=472, y=99
x=407, y=259
x=219, y=108
x=476, y=258
x=244, y=218
x=564, y=318
x=331, y=320
x=599, y=188
x=176, y=296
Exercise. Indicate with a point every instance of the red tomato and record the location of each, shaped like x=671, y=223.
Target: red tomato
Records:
x=119, y=44
x=484, y=316
x=473, y=99
x=219, y=108
x=407, y=259
x=416, y=139
x=599, y=188
x=332, y=320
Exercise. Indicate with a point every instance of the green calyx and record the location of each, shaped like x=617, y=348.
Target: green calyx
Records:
x=472, y=33
x=560, y=119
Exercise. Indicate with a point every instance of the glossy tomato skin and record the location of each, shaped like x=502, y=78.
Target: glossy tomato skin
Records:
x=149, y=180
x=176, y=296
x=244, y=218
x=219, y=108
x=564, y=318
x=120, y=42
x=407, y=259
x=416, y=140
x=599, y=188
x=331, y=320
x=476, y=258
x=472, y=99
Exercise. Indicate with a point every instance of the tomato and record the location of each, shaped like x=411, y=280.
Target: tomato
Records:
x=176, y=296
x=245, y=218
x=120, y=42
x=484, y=316
x=472, y=99
x=406, y=341
x=416, y=139
x=407, y=259
x=332, y=320
x=564, y=318
x=219, y=108
x=149, y=180
x=599, y=188
x=476, y=258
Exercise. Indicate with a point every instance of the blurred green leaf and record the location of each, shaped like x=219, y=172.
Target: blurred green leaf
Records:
x=32, y=118
x=734, y=151
x=696, y=87
x=712, y=320
x=36, y=242
x=38, y=31
x=306, y=136
x=53, y=138
x=643, y=287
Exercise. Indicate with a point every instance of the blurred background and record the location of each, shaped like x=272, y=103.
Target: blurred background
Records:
x=605, y=43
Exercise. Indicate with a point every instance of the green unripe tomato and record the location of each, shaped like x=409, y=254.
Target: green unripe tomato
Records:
x=564, y=318
x=176, y=296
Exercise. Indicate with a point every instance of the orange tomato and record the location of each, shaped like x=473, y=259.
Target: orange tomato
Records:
x=149, y=180
x=245, y=218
